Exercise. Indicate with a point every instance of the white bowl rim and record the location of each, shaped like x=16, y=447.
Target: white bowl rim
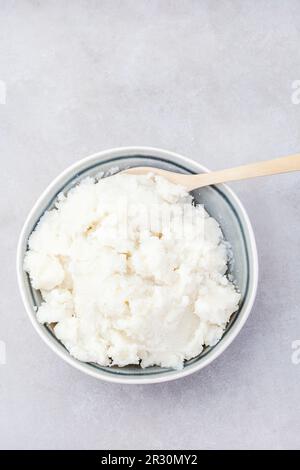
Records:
x=214, y=353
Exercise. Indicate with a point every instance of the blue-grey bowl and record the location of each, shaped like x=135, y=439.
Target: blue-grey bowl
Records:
x=219, y=201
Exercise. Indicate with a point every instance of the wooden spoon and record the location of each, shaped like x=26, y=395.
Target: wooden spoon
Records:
x=190, y=182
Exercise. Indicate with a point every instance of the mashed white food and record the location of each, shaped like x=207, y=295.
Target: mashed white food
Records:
x=131, y=272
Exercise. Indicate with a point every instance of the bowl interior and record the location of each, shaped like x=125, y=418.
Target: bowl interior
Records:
x=218, y=202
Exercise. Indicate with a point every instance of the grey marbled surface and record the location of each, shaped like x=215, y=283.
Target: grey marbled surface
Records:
x=211, y=80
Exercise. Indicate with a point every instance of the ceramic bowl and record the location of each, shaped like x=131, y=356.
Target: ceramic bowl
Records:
x=219, y=201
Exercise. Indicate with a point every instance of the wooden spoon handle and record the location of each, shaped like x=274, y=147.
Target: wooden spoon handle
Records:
x=270, y=167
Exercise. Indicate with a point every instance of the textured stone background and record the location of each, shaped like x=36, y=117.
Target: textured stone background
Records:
x=213, y=81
